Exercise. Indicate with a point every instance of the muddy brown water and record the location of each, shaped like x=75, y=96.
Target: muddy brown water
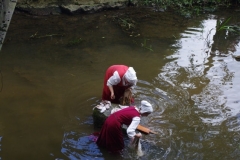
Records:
x=52, y=70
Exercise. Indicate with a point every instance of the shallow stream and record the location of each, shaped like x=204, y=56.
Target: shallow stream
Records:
x=52, y=70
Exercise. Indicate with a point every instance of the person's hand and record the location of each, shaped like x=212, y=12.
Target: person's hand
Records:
x=112, y=92
x=112, y=96
x=138, y=135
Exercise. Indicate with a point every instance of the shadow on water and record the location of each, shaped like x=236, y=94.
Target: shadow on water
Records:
x=51, y=84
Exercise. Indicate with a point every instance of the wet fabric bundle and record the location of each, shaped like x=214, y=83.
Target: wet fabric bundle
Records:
x=103, y=106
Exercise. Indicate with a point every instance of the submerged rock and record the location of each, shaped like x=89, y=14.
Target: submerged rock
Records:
x=99, y=118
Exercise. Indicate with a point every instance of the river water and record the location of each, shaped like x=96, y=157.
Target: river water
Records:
x=52, y=70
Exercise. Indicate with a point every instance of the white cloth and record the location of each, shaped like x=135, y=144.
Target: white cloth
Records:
x=130, y=76
x=145, y=107
x=132, y=127
x=103, y=106
x=115, y=79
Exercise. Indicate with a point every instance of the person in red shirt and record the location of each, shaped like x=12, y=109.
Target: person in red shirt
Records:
x=117, y=79
x=111, y=135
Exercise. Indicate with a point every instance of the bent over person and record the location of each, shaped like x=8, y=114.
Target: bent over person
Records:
x=111, y=135
x=117, y=79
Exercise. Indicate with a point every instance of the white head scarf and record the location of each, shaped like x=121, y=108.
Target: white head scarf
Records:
x=130, y=76
x=145, y=107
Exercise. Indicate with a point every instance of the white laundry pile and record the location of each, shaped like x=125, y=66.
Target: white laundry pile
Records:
x=103, y=106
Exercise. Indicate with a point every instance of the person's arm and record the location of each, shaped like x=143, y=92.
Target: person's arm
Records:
x=113, y=80
x=112, y=92
x=132, y=127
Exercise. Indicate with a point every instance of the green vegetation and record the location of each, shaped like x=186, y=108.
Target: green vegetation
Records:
x=126, y=23
x=144, y=45
x=224, y=25
x=188, y=7
x=75, y=42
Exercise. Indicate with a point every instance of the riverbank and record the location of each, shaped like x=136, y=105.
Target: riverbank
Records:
x=42, y=7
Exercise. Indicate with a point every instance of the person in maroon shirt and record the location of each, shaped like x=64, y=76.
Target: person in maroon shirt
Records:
x=111, y=135
x=117, y=79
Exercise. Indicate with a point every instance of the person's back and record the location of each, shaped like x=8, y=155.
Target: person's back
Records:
x=126, y=115
x=117, y=79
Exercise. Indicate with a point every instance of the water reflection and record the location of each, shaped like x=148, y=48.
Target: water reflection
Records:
x=209, y=81
x=80, y=146
x=233, y=124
